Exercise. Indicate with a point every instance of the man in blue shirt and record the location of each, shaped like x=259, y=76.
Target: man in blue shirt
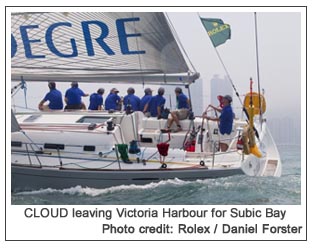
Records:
x=225, y=120
x=156, y=105
x=113, y=101
x=146, y=98
x=131, y=101
x=73, y=97
x=96, y=100
x=183, y=106
x=54, y=97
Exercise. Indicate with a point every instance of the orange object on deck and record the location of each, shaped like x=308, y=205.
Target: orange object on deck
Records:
x=256, y=103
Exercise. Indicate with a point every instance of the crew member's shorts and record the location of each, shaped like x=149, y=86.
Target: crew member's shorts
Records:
x=182, y=114
x=225, y=138
x=73, y=106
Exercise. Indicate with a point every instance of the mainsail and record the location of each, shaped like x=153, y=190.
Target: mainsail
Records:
x=14, y=124
x=96, y=47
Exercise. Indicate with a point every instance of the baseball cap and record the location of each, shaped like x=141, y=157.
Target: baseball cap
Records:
x=161, y=91
x=101, y=91
x=114, y=90
x=148, y=91
x=228, y=97
x=74, y=84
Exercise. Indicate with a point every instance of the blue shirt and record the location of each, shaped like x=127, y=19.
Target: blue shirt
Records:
x=226, y=120
x=156, y=101
x=55, y=99
x=182, y=101
x=111, y=101
x=96, y=100
x=145, y=99
x=133, y=100
x=74, y=95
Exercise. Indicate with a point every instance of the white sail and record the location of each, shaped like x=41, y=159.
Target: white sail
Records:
x=14, y=124
x=96, y=47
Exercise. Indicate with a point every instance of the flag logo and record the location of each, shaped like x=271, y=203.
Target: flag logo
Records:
x=217, y=30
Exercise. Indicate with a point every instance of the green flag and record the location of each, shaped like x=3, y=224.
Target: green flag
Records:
x=218, y=31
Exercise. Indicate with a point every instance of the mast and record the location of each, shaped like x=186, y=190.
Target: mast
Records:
x=258, y=75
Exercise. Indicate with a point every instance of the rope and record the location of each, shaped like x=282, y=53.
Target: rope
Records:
x=139, y=57
x=230, y=79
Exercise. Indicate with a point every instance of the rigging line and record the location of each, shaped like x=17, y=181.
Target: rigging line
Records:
x=226, y=71
x=22, y=107
x=137, y=44
x=233, y=86
x=73, y=21
x=15, y=90
x=85, y=62
x=179, y=41
x=35, y=19
x=23, y=13
x=13, y=106
x=32, y=142
x=22, y=20
x=229, y=77
x=13, y=24
x=258, y=71
x=46, y=20
x=67, y=60
x=99, y=70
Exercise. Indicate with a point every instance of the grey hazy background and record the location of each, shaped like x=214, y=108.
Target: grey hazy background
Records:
x=279, y=38
x=279, y=47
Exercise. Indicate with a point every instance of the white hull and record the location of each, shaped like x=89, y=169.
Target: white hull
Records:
x=50, y=154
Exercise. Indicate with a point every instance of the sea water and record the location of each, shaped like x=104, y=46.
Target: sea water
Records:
x=233, y=190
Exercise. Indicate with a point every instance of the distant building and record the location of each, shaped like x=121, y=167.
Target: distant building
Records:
x=285, y=130
x=197, y=96
x=219, y=86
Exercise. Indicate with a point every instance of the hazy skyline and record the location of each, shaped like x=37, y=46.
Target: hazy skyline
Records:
x=279, y=39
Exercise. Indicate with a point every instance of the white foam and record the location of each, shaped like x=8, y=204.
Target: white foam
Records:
x=78, y=190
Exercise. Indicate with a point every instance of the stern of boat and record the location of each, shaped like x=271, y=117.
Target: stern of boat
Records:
x=270, y=162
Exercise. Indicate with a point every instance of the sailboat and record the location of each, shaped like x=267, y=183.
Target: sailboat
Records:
x=102, y=149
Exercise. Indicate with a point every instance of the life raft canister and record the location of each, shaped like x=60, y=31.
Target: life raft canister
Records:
x=257, y=103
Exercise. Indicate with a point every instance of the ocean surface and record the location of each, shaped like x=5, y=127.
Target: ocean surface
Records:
x=234, y=190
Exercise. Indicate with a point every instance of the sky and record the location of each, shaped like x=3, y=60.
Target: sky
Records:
x=279, y=49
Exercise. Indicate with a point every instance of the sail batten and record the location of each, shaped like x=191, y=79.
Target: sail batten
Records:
x=57, y=45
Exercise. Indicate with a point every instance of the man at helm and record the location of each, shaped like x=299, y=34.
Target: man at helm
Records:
x=225, y=120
